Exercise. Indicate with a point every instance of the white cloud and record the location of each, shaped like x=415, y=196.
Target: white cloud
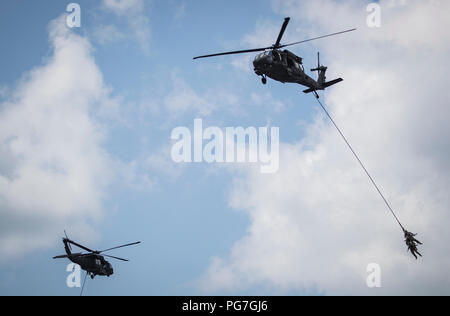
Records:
x=161, y=162
x=124, y=7
x=183, y=99
x=53, y=169
x=107, y=34
x=318, y=223
x=267, y=100
x=135, y=176
x=133, y=11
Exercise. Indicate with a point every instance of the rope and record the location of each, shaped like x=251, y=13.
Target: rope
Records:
x=84, y=282
x=360, y=162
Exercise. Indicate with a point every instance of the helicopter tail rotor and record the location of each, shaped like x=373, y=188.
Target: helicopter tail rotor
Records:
x=321, y=70
x=323, y=84
x=319, y=66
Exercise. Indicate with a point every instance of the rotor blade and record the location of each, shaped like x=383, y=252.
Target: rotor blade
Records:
x=70, y=247
x=66, y=256
x=80, y=246
x=316, y=38
x=61, y=257
x=283, y=29
x=127, y=245
x=116, y=258
x=235, y=52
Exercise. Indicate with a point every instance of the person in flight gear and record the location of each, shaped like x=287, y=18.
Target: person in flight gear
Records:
x=411, y=243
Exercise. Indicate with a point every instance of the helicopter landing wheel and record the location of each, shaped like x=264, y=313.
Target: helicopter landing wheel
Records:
x=92, y=276
x=264, y=80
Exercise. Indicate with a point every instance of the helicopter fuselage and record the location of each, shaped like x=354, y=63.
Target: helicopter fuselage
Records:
x=283, y=66
x=93, y=264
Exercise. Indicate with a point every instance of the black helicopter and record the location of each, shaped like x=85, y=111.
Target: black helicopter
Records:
x=92, y=262
x=284, y=66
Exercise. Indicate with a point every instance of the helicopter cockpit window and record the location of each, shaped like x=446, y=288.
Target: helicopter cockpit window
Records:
x=297, y=65
x=291, y=63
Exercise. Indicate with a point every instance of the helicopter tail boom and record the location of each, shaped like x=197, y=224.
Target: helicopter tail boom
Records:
x=332, y=82
x=325, y=85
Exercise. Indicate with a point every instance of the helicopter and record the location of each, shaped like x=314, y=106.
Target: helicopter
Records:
x=284, y=66
x=92, y=262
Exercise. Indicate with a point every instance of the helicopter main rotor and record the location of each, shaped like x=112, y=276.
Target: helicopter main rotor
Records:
x=277, y=44
x=93, y=252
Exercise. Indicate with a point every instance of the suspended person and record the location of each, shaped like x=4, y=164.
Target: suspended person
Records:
x=411, y=237
x=412, y=247
x=412, y=242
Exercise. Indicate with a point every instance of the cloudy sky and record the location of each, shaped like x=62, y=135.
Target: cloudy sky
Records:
x=86, y=116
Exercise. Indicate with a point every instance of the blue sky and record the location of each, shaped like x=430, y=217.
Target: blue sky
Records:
x=183, y=221
x=208, y=229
